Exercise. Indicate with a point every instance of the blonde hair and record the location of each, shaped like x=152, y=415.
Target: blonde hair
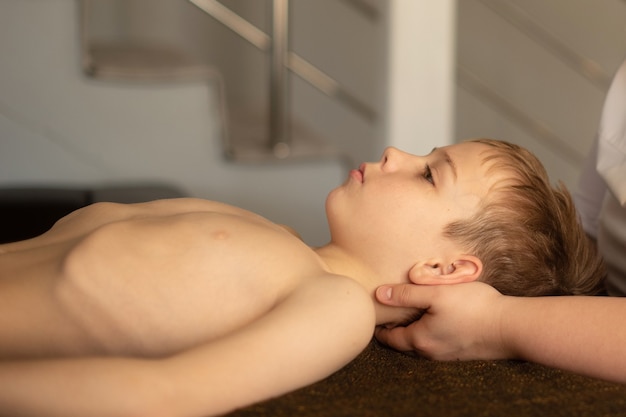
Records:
x=527, y=233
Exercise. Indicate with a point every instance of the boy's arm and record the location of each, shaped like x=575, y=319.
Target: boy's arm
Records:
x=306, y=337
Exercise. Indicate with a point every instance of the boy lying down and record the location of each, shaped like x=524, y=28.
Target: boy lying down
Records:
x=188, y=307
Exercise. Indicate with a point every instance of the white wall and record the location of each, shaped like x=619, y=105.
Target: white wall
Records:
x=421, y=74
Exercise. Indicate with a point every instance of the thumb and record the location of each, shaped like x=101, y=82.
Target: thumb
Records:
x=405, y=295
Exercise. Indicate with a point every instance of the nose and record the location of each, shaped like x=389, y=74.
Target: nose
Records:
x=393, y=159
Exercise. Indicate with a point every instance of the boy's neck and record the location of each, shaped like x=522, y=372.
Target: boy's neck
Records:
x=340, y=262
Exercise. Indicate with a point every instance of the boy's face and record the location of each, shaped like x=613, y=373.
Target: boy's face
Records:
x=398, y=207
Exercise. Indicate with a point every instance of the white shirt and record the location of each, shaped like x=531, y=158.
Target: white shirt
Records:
x=601, y=197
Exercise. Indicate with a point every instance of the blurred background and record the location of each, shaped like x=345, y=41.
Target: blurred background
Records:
x=176, y=93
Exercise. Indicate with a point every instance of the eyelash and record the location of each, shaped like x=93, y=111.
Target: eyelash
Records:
x=428, y=175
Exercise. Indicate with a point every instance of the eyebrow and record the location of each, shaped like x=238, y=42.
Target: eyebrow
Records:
x=449, y=161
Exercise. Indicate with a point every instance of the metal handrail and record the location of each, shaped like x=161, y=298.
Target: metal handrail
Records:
x=281, y=59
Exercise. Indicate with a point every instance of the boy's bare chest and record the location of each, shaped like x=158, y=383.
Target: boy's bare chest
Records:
x=161, y=284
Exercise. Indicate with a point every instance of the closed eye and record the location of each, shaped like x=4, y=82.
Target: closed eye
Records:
x=428, y=175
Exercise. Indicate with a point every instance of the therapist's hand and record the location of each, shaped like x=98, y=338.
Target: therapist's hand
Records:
x=461, y=321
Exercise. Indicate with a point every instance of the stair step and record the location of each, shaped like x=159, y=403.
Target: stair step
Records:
x=143, y=63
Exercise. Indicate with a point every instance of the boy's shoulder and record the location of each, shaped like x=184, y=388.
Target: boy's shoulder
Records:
x=328, y=320
x=338, y=303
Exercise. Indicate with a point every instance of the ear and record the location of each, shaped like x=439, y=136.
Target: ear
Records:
x=465, y=268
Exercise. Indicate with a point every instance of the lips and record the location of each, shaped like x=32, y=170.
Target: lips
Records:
x=358, y=174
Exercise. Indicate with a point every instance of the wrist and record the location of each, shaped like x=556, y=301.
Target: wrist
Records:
x=504, y=338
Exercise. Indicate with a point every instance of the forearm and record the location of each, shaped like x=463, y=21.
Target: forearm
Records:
x=80, y=387
x=581, y=334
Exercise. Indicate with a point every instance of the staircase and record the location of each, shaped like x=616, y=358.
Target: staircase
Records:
x=59, y=126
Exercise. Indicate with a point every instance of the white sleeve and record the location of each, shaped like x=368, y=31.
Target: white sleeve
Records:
x=590, y=193
x=611, y=163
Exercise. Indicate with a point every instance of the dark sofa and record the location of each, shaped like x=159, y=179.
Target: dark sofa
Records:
x=29, y=211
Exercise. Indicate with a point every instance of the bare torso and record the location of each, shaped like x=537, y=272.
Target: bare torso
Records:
x=147, y=279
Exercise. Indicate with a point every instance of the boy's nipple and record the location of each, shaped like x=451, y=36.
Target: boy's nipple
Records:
x=220, y=234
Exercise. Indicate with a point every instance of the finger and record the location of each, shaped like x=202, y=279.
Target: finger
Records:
x=399, y=338
x=405, y=295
